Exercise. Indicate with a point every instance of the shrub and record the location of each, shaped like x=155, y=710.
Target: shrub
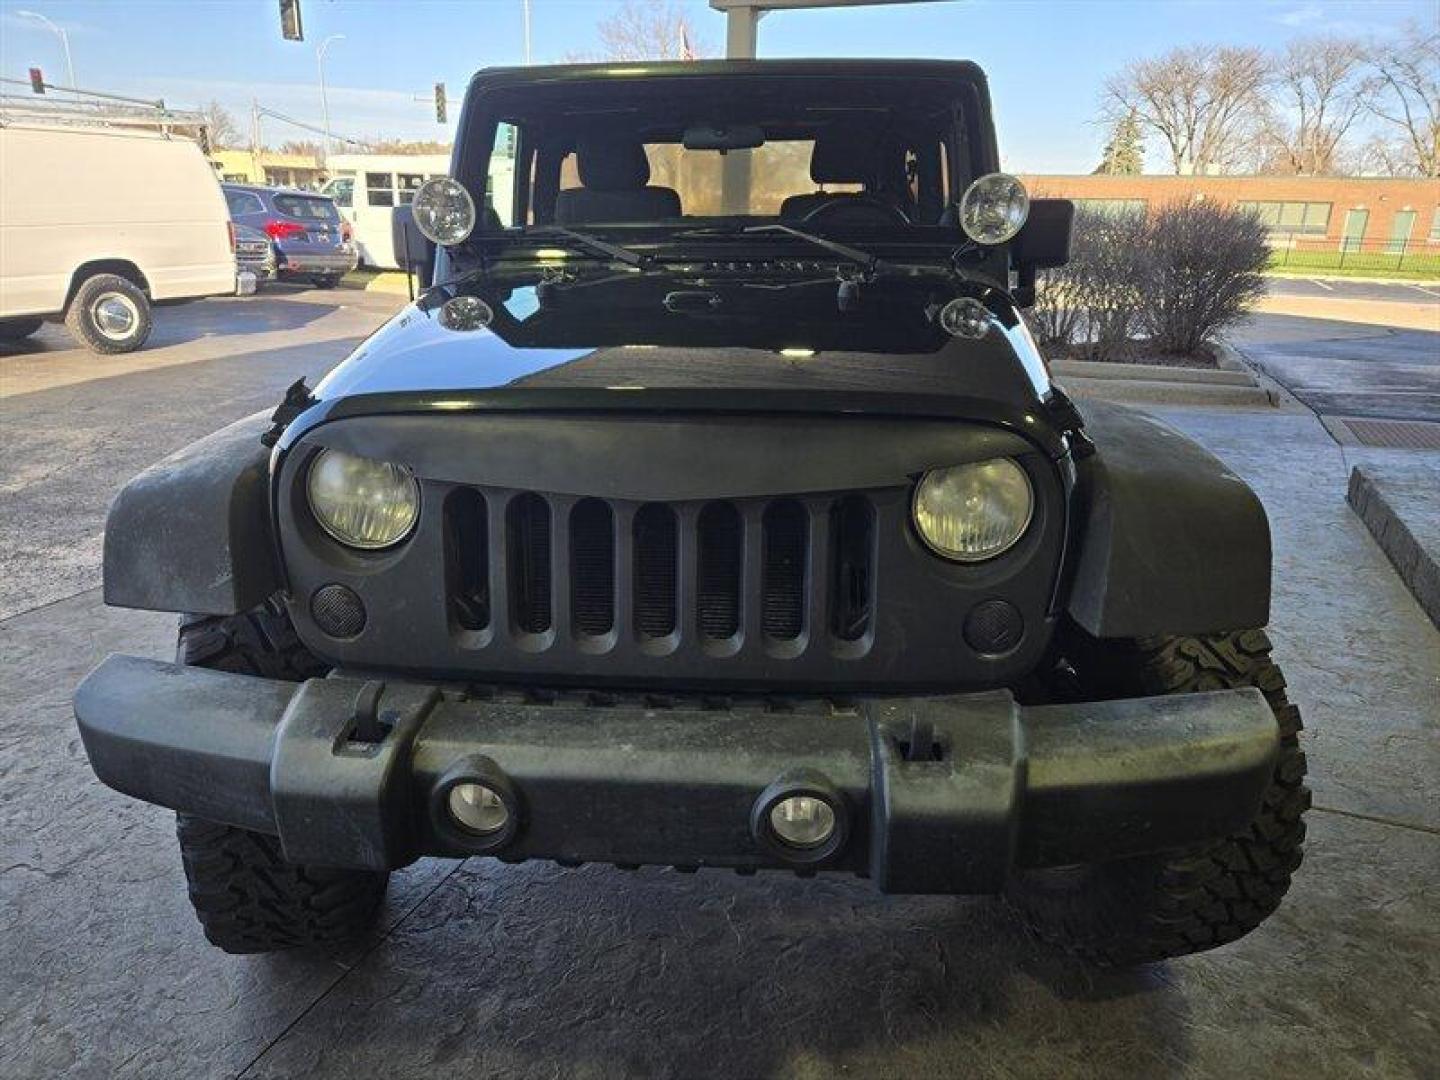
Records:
x=1092, y=303
x=1176, y=277
x=1203, y=271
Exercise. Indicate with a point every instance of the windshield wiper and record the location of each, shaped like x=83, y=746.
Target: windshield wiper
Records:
x=872, y=263
x=594, y=243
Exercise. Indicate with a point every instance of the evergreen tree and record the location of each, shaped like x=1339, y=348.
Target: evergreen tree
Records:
x=1125, y=152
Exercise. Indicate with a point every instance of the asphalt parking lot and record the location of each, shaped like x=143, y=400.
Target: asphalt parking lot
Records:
x=1398, y=292
x=1350, y=368
x=534, y=971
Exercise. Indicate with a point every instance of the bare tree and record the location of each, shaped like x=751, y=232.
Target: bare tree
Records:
x=1382, y=156
x=380, y=145
x=1407, y=93
x=649, y=30
x=224, y=131
x=1205, y=102
x=1321, y=86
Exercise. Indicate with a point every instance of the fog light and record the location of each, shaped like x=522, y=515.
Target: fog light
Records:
x=965, y=317
x=478, y=809
x=802, y=821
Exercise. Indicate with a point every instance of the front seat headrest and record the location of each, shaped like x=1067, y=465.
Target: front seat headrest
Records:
x=612, y=165
x=844, y=157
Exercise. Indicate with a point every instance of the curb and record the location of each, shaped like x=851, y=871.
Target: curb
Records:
x=1231, y=383
x=1084, y=369
x=1156, y=392
x=1414, y=561
x=1228, y=357
x=391, y=282
x=1297, y=275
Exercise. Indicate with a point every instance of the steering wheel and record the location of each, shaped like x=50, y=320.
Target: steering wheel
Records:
x=864, y=206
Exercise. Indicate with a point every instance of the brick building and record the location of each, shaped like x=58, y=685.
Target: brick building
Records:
x=1363, y=212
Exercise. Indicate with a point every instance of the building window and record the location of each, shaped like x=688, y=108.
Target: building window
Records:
x=1111, y=208
x=1434, y=236
x=1308, y=218
x=379, y=186
x=409, y=184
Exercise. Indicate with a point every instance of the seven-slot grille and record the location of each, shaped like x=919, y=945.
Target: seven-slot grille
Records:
x=786, y=571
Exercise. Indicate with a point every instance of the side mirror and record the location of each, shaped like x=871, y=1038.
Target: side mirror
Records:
x=1043, y=242
x=414, y=253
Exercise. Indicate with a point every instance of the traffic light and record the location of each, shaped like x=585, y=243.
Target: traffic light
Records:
x=440, y=103
x=37, y=81
x=290, y=27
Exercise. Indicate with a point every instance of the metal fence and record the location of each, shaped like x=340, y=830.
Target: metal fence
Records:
x=1319, y=253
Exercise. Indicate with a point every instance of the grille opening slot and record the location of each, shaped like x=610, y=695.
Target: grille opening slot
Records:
x=528, y=556
x=467, y=558
x=852, y=581
x=592, y=568
x=656, y=570
x=720, y=557
x=782, y=590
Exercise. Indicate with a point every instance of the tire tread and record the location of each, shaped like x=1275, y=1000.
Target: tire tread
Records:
x=1142, y=910
x=247, y=897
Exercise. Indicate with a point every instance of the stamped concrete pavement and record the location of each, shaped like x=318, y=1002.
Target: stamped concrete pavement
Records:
x=531, y=971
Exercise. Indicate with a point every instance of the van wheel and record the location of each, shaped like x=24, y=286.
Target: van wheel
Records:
x=109, y=314
x=15, y=329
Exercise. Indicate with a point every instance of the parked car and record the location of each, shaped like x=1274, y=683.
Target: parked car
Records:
x=731, y=520
x=99, y=224
x=310, y=241
x=254, y=252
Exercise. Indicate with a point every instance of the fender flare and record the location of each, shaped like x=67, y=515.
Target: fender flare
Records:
x=193, y=532
x=1171, y=541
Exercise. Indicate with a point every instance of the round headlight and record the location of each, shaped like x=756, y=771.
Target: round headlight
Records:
x=444, y=211
x=362, y=502
x=994, y=208
x=973, y=512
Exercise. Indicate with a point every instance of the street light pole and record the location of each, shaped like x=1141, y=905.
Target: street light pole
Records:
x=64, y=40
x=526, y=6
x=324, y=98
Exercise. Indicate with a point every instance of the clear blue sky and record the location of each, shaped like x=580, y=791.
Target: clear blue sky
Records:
x=1046, y=58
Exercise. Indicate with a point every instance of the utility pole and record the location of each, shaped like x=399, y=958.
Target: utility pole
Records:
x=742, y=34
x=65, y=40
x=255, y=143
x=324, y=98
x=525, y=4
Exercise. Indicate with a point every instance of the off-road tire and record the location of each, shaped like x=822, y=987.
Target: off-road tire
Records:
x=17, y=329
x=81, y=320
x=247, y=897
x=1136, y=911
x=260, y=642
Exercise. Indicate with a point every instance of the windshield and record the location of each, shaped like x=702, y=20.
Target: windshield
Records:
x=872, y=153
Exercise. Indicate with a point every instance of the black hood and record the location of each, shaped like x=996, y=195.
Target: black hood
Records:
x=616, y=346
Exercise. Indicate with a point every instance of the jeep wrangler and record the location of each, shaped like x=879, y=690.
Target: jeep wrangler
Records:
x=713, y=508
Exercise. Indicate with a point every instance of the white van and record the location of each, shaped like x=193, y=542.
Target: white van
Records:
x=368, y=187
x=97, y=224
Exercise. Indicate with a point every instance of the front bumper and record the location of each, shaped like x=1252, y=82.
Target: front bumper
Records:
x=933, y=794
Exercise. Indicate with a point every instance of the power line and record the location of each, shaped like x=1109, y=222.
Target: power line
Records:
x=264, y=111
